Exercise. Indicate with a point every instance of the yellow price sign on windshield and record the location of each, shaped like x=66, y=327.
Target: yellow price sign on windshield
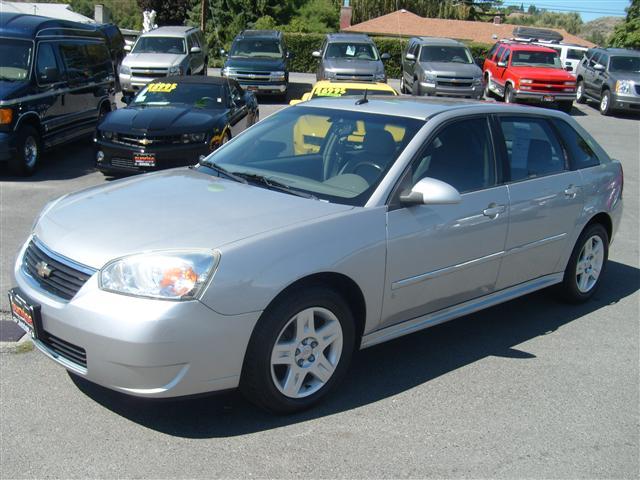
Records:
x=330, y=91
x=162, y=87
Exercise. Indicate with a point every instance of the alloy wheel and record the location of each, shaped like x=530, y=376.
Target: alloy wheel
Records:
x=589, y=265
x=30, y=151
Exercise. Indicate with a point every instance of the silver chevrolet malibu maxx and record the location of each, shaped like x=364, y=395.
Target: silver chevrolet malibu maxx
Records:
x=333, y=225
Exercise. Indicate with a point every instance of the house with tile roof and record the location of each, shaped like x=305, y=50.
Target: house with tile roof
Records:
x=406, y=24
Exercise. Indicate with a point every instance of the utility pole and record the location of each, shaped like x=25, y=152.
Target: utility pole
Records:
x=203, y=15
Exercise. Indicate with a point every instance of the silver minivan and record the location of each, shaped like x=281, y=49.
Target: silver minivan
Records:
x=440, y=66
x=163, y=52
x=271, y=263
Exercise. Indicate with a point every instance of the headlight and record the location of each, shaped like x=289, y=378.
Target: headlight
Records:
x=124, y=70
x=380, y=77
x=623, y=87
x=276, y=76
x=429, y=77
x=526, y=80
x=175, y=70
x=107, y=135
x=193, y=137
x=170, y=275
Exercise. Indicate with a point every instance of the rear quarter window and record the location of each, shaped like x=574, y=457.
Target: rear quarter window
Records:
x=582, y=154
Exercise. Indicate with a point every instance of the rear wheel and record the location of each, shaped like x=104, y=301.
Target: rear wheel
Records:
x=28, y=151
x=580, y=96
x=586, y=265
x=605, y=103
x=299, y=351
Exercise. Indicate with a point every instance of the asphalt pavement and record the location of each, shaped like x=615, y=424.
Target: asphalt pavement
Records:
x=531, y=388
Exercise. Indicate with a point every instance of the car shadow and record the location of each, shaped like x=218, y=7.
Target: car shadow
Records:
x=382, y=371
x=623, y=114
x=73, y=160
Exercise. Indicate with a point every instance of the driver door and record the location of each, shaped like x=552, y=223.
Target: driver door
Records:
x=442, y=255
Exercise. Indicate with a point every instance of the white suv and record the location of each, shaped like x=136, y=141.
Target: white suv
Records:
x=162, y=52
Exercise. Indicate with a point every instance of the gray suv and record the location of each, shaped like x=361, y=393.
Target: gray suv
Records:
x=610, y=76
x=163, y=52
x=350, y=57
x=440, y=66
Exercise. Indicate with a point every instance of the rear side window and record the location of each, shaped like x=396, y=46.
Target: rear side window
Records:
x=46, y=62
x=573, y=54
x=100, y=66
x=75, y=60
x=533, y=150
x=582, y=155
x=461, y=155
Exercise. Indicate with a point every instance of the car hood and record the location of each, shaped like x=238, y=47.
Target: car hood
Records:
x=157, y=119
x=11, y=90
x=172, y=209
x=347, y=65
x=633, y=76
x=152, y=60
x=542, y=73
x=256, y=64
x=450, y=69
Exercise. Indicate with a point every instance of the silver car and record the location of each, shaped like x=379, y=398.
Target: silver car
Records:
x=163, y=52
x=351, y=57
x=331, y=226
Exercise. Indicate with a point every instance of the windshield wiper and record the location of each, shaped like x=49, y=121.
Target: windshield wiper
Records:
x=274, y=184
x=222, y=171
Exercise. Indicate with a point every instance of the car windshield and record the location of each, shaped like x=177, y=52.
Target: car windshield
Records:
x=359, y=51
x=445, y=54
x=335, y=155
x=256, y=48
x=160, y=45
x=534, y=58
x=15, y=60
x=207, y=96
x=624, y=64
x=340, y=91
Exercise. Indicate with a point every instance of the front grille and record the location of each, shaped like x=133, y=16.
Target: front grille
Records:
x=56, y=275
x=146, y=141
x=249, y=76
x=69, y=351
x=455, y=82
x=149, y=72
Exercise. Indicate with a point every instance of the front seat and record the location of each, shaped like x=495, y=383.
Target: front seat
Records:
x=378, y=148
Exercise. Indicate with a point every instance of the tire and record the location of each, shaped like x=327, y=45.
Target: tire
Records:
x=204, y=68
x=415, y=88
x=282, y=379
x=566, y=106
x=605, y=103
x=28, y=151
x=580, y=96
x=487, y=92
x=403, y=89
x=590, y=256
x=508, y=94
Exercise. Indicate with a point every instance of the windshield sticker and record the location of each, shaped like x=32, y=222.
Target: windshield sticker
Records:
x=162, y=87
x=330, y=91
x=351, y=50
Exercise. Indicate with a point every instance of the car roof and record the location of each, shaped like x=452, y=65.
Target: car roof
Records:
x=373, y=86
x=423, y=108
x=437, y=41
x=349, y=37
x=528, y=47
x=20, y=25
x=621, y=51
x=172, y=31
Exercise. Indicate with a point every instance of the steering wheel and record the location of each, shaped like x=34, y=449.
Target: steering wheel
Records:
x=365, y=163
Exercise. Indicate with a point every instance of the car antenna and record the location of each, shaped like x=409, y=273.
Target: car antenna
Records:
x=363, y=100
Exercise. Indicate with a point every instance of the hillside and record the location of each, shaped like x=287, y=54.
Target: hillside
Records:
x=599, y=30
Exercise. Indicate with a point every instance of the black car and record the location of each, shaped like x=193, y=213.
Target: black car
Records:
x=56, y=80
x=172, y=122
x=259, y=61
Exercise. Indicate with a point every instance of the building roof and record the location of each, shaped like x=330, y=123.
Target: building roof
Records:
x=407, y=24
x=60, y=11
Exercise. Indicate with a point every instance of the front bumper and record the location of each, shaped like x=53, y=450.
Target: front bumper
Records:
x=119, y=158
x=625, y=102
x=263, y=88
x=541, y=97
x=7, y=146
x=143, y=347
x=131, y=83
x=475, y=91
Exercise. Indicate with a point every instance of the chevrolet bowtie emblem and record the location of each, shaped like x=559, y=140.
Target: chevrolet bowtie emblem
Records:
x=43, y=269
x=145, y=141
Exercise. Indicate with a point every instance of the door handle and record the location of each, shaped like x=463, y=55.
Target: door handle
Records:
x=493, y=210
x=571, y=191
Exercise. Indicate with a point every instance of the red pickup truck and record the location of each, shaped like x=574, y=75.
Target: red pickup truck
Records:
x=520, y=72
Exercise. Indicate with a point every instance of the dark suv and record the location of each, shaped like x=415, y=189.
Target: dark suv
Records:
x=610, y=76
x=259, y=61
x=56, y=80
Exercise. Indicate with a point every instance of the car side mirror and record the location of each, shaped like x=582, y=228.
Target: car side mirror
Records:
x=195, y=50
x=598, y=68
x=384, y=57
x=502, y=64
x=223, y=53
x=431, y=191
x=316, y=54
x=51, y=75
x=290, y=55
x=411, y=57
x=127, y=48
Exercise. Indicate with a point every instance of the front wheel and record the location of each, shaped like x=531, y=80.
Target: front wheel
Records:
x=28, y=150
x=299, y=351
x=415, y=88
x=586, y=265
x=605, y=103
x=508, y=94
x=580, y=96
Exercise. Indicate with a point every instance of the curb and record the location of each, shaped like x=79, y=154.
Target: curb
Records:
x=21, y=346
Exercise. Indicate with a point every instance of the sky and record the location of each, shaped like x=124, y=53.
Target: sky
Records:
x=588, y=9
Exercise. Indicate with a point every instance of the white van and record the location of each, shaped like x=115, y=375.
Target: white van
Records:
x=570, y=55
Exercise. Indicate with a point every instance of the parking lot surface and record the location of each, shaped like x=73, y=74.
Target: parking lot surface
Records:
x=530, y=388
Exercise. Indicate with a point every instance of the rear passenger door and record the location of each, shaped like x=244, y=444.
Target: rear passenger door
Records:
x=545, y=198
x=53, y=108
x=80, y=101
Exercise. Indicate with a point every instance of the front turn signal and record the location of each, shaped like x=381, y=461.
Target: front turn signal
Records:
x=6, y=116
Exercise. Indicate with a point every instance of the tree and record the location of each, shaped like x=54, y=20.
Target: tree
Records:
x=627, y=34
x=174, y=12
